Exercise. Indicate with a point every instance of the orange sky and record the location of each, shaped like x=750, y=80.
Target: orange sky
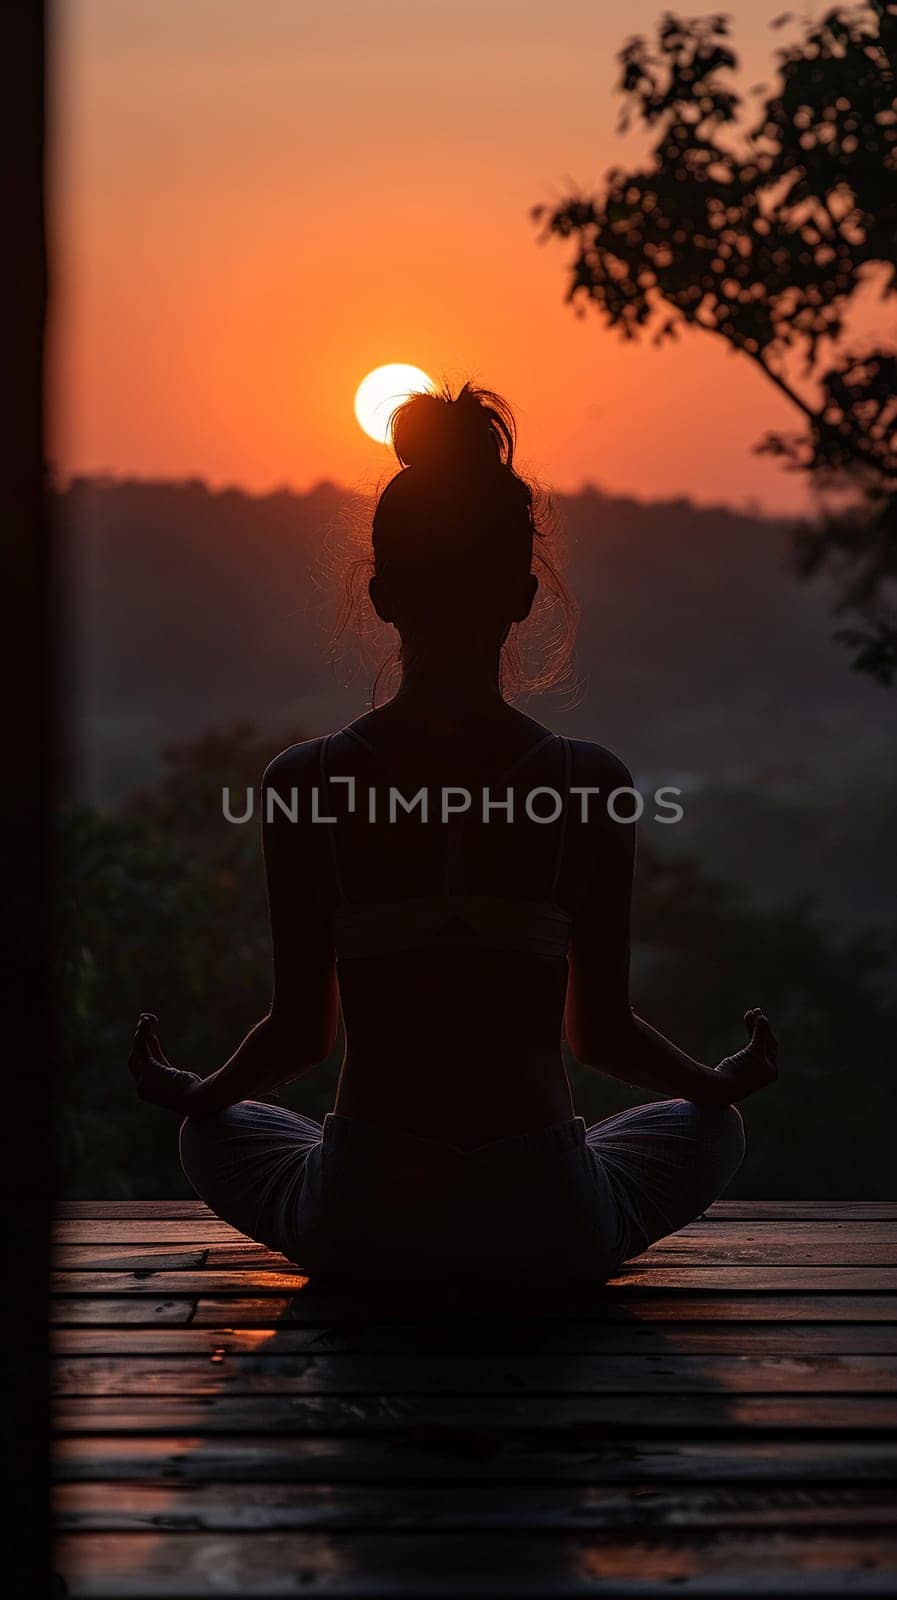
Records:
x=256, y=201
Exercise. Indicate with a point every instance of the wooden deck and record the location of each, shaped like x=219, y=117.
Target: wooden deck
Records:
x=722, y=1420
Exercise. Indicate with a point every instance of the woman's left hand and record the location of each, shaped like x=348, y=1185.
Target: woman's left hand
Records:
x=756, y=1066
x=158, y=1082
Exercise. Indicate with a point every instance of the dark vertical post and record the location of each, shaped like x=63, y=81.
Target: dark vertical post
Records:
x=28, y=742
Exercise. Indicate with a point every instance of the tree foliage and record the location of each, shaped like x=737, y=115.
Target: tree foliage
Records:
x=701, y=948
x=765, y=228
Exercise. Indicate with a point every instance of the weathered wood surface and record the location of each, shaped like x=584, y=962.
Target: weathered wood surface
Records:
x=273, y=1372
x=519, y=1564
x=721, y=1420
x=582, y=1415
x=317, y=1309
x=741, y=1248
x=195, y=1279
x=481, y=1338
x=472, y=1455
x=120, y=1507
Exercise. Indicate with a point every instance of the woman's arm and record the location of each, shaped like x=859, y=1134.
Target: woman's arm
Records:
x=301, y=1025
x=268, y=1057
x=602, y=1030
x=300, y=1028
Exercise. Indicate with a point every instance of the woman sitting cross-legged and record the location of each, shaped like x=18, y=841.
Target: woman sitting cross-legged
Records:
x=446, y=872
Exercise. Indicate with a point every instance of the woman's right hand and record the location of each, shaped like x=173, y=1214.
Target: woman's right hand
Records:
x=756, y=1066
x=158, y=1082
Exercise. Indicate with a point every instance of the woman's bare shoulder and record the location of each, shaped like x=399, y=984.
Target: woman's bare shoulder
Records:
x=595, y=763
x=297, y=766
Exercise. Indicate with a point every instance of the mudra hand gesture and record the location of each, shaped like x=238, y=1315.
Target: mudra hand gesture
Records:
x=158, y=1082
x=756, y=1065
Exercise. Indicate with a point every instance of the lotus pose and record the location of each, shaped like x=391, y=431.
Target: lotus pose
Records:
x=445, y=874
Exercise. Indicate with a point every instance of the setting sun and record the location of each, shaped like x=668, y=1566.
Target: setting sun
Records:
x=382, y=390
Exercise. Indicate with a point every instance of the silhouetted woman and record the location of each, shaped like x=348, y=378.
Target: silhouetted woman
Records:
x=448, y=873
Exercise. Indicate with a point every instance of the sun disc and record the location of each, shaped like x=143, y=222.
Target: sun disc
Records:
x=382, y=390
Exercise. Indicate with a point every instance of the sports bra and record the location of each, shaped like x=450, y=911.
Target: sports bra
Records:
x=454, y=918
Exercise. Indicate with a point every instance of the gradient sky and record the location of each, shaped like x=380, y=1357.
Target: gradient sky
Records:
x=254, y=202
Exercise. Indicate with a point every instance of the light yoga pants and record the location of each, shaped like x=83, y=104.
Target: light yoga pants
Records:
x=359, y=1201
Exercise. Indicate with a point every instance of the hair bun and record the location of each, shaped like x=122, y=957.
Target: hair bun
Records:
x=439, y=431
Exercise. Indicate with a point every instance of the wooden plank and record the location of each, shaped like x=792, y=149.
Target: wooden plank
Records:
x=796, y=1278
x=157, y=1257
x=771, y=1252
x=314, y=1308
x=311, y=1310
x=195, y=1231
x=744, y=1228
x=68, y=1210
x=122, y=1312
x=500, y=1564
x=473, y=1455
x=802, y=1210
x=146, y=1281
x=129, y=1507
x=289, y=1413
x=482, y=1338
x=659, y=1374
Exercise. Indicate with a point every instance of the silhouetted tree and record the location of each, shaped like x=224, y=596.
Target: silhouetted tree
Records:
x=764, y=230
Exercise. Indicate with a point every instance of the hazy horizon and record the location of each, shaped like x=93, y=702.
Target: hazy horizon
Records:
x=747, y=507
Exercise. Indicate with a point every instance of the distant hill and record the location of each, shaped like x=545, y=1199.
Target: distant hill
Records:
x=702, y=658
